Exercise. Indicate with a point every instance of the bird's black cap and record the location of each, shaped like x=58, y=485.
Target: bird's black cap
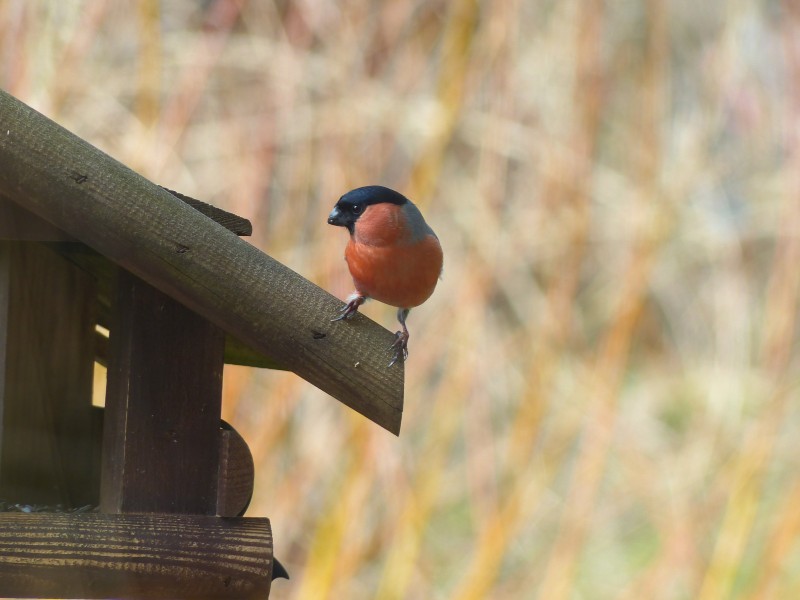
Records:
x=352, y=204
x=372, y=194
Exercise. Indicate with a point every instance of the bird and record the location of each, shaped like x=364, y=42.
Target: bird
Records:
x=393, y=255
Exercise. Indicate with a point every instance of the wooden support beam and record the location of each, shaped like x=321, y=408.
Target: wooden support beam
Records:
x=162, y=240
x=47, y=321
x=133, y=556
x=163, y=404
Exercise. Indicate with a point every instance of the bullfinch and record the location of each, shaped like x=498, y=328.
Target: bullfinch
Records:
x=393, y=255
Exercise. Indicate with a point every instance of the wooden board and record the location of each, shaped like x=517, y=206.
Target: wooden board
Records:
x=231, y=222
x=236, y=473
x=47, y=455
x=133, y=556
x=17, y=224
x=163, y=404
x=149, y=232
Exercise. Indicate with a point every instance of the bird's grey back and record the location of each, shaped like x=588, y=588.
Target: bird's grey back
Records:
x=419, y=228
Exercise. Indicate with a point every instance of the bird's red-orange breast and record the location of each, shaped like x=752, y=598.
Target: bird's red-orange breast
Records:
x=393, y=256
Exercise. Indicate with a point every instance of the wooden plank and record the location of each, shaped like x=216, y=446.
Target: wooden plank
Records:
x=236, y=467
x=133, y=556
x=18, y=224
x=163, y=404
x=236, y=473
x=231, y=222
x=141, y=227
x=46, y=361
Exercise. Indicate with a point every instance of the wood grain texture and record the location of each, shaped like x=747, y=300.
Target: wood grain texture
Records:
x=163, y=404
x=231, y=222
x=236, y=473
x=104, y=272
x=133, y=556
x=46, y=360
x=18, y=224
x=143, y=228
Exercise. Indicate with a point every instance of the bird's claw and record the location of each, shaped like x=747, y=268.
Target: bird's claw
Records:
x=344, y=313
x=349, y=309
x=400, y=347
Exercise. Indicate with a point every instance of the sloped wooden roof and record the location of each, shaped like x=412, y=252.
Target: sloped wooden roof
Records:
x=271, y=312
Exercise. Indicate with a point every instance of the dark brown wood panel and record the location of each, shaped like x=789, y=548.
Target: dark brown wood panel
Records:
x=236, y=473
x=18, y=224
x=46, y=360
x=163, y=403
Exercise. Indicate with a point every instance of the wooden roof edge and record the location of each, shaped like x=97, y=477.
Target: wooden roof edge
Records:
x=94, y=198
x=18, y=224
x=231, y=222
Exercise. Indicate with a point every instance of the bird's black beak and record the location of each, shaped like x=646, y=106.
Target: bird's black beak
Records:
x=337, y=217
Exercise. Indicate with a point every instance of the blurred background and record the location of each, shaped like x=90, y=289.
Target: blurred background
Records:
x=602, y=394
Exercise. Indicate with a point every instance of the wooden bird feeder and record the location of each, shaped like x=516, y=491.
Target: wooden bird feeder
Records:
x=85, y=241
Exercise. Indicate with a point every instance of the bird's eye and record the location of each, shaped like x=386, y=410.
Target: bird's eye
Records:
x=356, y=209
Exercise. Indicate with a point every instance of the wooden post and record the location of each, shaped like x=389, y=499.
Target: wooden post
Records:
x=46, y=359
x=161, y=454
x=163, y=405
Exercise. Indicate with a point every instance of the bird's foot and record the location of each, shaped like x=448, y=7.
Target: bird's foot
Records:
x=349, y=309
x=400, y=347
